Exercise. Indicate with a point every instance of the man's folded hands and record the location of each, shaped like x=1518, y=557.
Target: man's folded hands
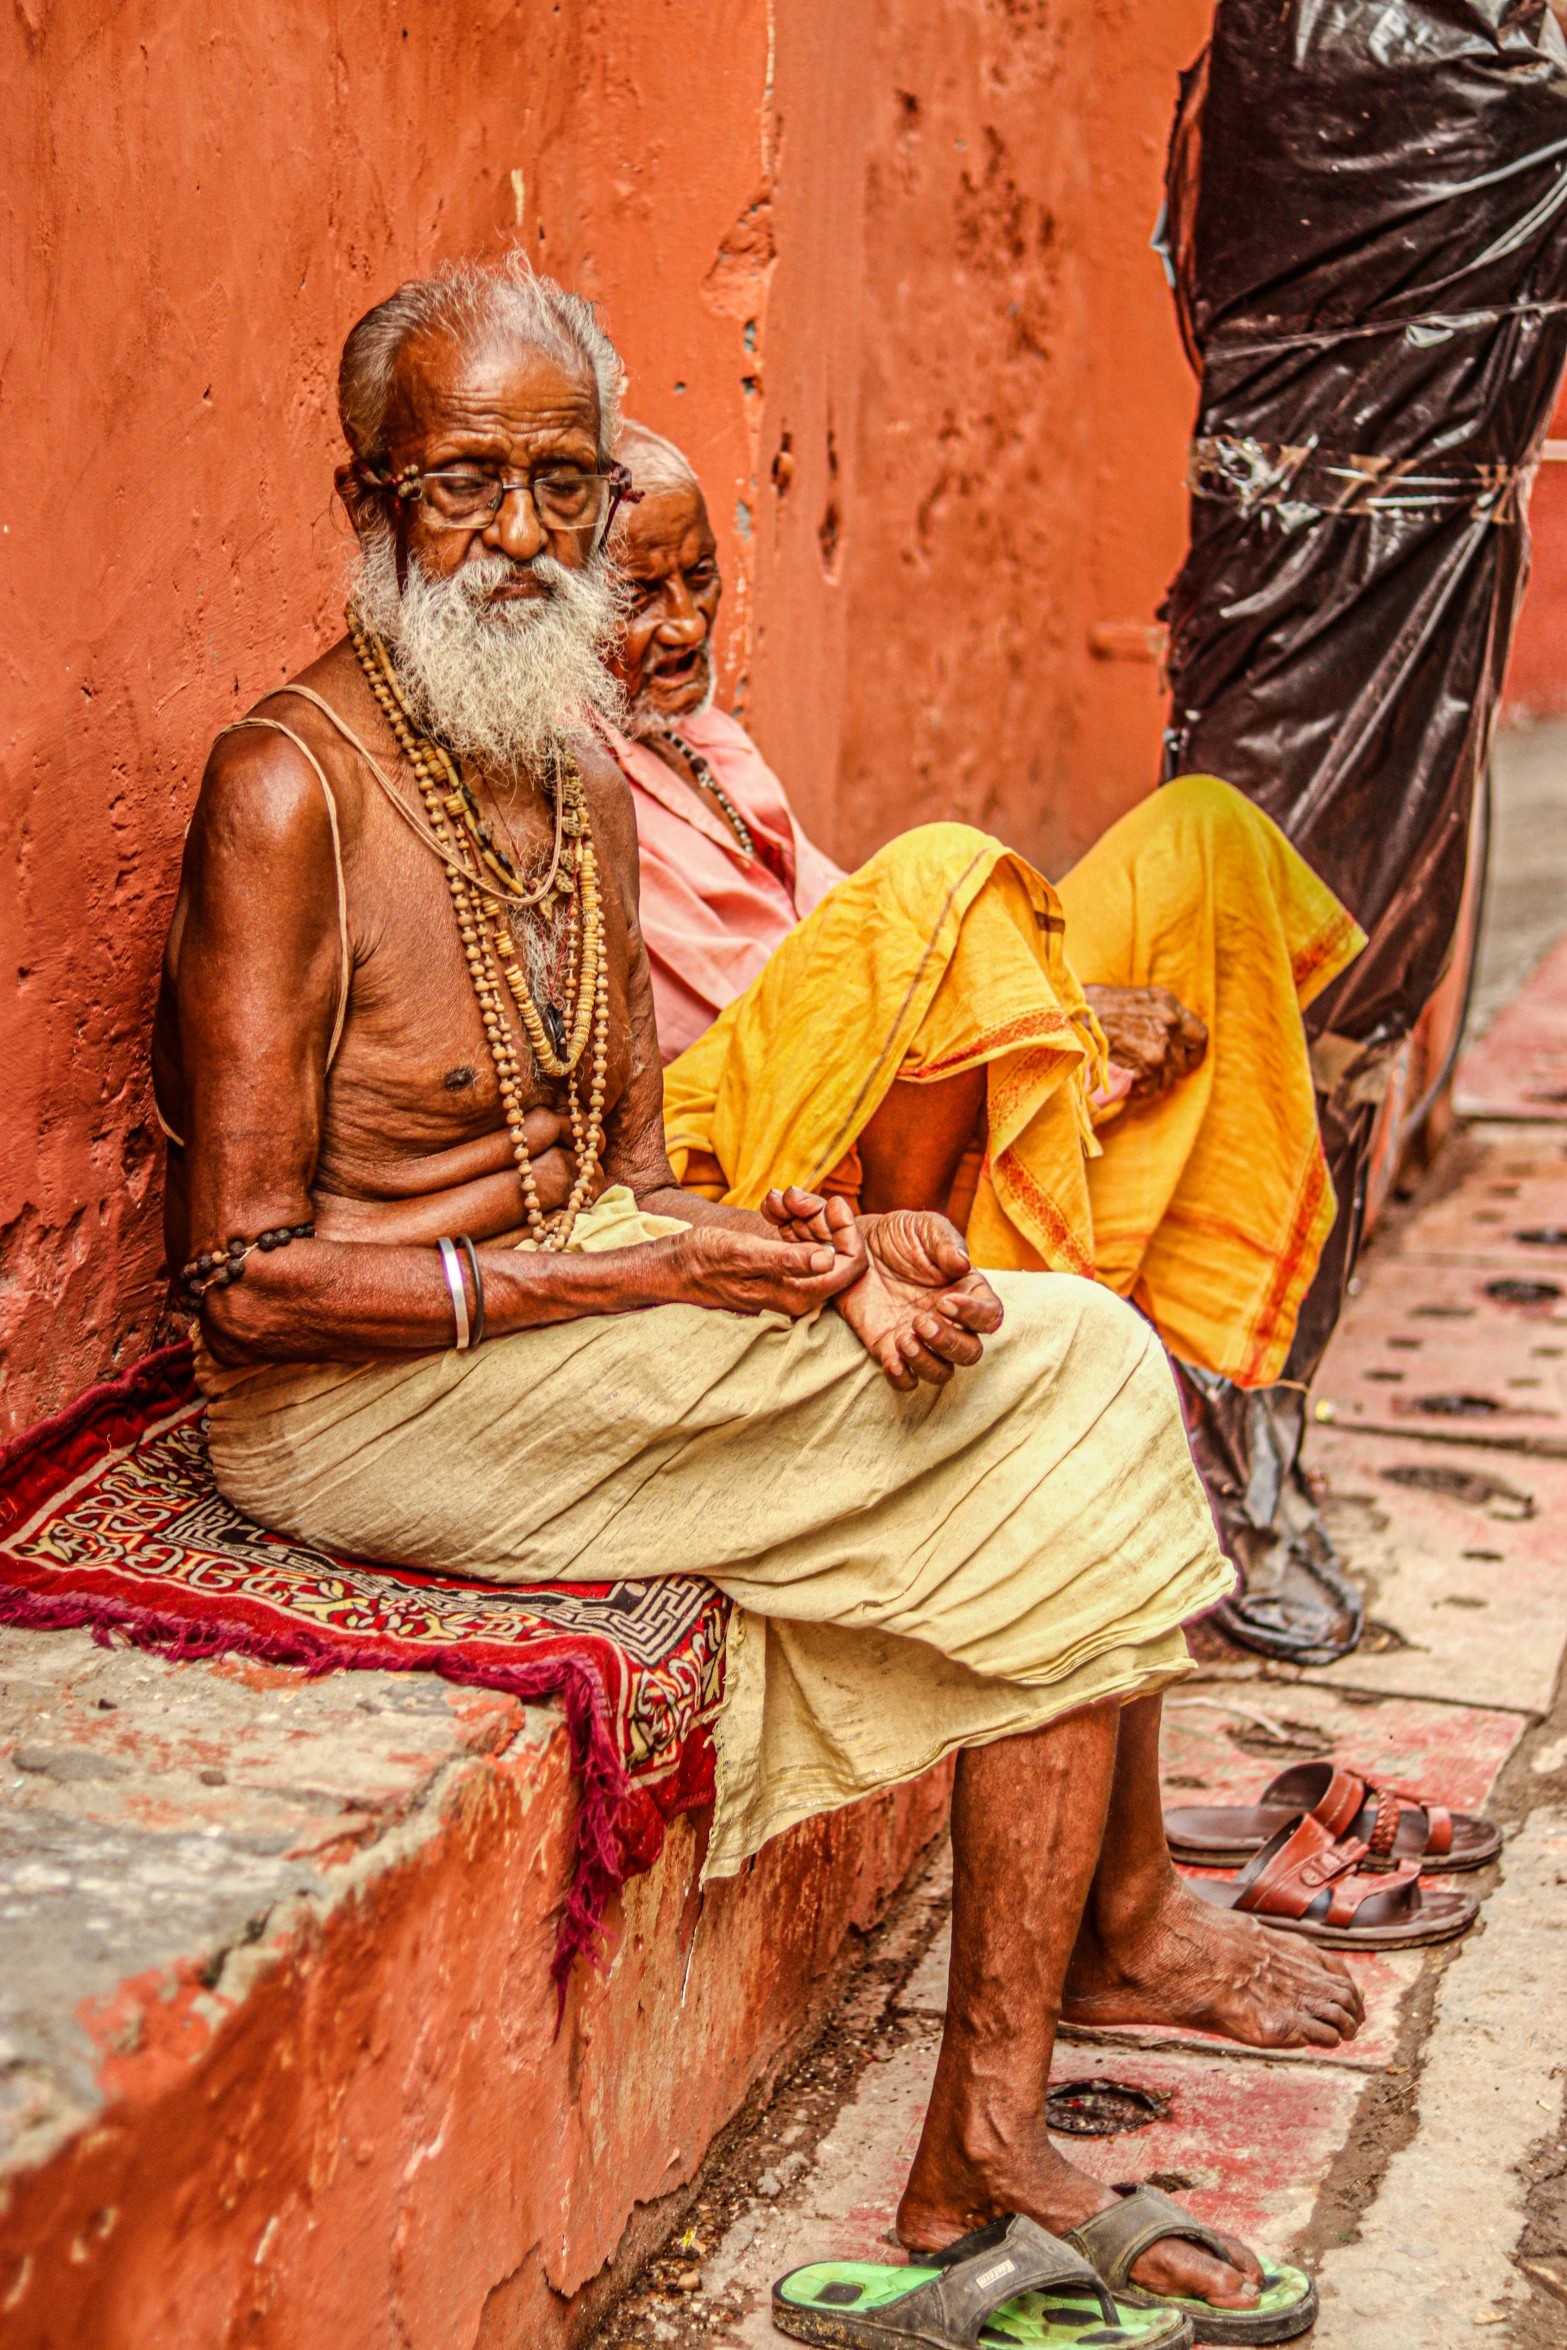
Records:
x=914, y=1301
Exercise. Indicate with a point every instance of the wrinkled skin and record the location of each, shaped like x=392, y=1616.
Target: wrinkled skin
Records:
x=1066, y=1894
x=1151, y=1035
x=409, y=1142
x=1066, y=1904
x=1060, y=1826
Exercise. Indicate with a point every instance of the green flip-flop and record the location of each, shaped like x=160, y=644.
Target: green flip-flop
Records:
x=1112, y=2240
x=1009, y=2286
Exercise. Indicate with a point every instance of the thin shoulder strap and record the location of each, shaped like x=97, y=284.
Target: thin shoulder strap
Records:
x=318, y=701
x=276, y=726
x=377, y=770
x=422, y=835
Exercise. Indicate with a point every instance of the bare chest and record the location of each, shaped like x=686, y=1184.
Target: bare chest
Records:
x=435, y=1045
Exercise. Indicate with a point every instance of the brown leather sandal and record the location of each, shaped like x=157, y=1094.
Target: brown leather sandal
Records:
x=1313, y=1879
x=1397, y=1823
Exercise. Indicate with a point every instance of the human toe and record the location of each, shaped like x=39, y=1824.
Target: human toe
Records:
x=1184, y=2271
x=1326, y=1965
x=1242, y=2257
x=1318, y=2031
x=1346, y=2016
x=1333, y=1989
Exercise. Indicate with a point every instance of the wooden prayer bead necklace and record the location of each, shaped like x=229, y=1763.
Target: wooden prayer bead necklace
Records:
x=486, y=940
x=710, y=783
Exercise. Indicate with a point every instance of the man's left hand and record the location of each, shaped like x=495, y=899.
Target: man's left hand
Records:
x=1154, y=1040
x=920, y=1309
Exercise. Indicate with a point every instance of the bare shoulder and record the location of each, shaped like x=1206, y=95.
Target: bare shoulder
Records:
x=277, y=778
x=261, y=809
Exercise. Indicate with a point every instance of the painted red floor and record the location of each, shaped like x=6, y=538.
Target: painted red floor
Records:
x=1454, y=1750
x=1433, y=1348
x=1466, y=1584
x=1518, y=1069
x=1245, y=2146
x=1507, y=1212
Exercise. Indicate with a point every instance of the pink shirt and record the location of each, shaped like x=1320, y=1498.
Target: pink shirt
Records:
x=710, y=915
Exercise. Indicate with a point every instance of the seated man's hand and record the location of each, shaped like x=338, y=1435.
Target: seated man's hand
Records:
x=740, y=1272
x=1151, y=1035
x=918, y=1307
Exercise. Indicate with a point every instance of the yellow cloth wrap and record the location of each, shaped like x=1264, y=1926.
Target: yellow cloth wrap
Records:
x=945, y=950
x=911, y=1573
x=1211, y=1204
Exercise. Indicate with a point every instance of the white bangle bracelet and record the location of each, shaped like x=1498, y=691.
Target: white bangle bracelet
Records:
x=451, y=1266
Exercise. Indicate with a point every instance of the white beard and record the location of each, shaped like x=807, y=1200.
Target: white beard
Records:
x=642, y=719
x=497, y=682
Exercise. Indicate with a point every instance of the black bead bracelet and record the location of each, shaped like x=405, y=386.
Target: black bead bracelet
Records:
x=215, y=1269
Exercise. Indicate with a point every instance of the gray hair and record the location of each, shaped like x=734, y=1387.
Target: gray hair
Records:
x=653, y=462
x=469, y=300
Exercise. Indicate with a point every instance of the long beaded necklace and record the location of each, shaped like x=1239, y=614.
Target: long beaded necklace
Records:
x=710, y=783
x=463, y=842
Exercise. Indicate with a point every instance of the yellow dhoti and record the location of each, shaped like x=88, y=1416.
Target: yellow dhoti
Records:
x=1209, y=1206
x=912, y=1573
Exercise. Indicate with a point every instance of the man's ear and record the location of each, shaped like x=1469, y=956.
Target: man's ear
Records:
x=352, y=491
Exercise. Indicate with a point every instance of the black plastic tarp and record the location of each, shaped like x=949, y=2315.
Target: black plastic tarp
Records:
x=1366, y=225
x=1367, y=220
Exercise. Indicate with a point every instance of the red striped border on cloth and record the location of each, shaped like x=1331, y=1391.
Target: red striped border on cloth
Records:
x=109, y=1518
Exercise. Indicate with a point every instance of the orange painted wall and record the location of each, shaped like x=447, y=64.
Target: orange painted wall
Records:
x=1010, y=437
x=914, y=240
x=1537, y=672
x=367, y=2133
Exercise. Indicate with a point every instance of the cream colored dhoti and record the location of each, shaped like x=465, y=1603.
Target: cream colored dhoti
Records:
x=912, y=1573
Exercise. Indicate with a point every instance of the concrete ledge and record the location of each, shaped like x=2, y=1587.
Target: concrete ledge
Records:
x=277, y=2051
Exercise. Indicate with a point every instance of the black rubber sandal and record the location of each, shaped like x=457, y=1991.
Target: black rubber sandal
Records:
x=1112, y=2240
x=1009, y=2286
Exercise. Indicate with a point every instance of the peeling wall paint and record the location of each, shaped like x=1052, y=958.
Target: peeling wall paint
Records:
x=361, y=2128
x=1536, y=685
x=1020, y=421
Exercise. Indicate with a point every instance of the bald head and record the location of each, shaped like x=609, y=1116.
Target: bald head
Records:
x=480, y=310
x=665, y=551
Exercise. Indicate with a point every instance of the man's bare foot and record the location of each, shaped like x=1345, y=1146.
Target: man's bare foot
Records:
x=951, y=2191
x=1175, y=1960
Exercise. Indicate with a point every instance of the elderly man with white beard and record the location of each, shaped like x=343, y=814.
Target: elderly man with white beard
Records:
x=455, y=1311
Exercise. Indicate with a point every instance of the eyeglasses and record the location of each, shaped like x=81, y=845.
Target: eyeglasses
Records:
x=580, y=503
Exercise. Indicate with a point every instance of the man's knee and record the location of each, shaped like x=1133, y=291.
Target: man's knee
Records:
x=933, y=851
x=1098, y=1327
x=1203, y=808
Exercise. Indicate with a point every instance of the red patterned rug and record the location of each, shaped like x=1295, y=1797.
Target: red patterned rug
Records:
x=109, y=1518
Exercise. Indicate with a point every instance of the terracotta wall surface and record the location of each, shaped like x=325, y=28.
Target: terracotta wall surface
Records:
x=1537, y=672
x=1012, y=453
x=902, y=249
x=362, y=2130
x=202, y=200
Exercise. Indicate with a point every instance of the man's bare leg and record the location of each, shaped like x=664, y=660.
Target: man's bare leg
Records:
x=1149, y=1952
x=910, y=1147
x=1028, y=1818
